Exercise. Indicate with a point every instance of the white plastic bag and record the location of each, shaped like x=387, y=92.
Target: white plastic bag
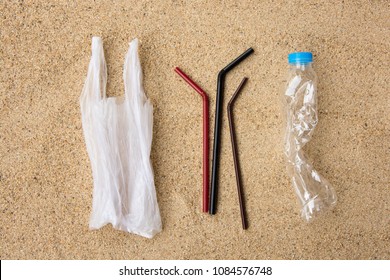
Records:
x=118, y=136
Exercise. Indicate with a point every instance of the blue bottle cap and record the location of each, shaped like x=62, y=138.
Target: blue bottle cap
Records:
x=300, y=58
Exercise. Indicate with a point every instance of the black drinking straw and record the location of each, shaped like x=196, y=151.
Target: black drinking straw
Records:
x=218, y=127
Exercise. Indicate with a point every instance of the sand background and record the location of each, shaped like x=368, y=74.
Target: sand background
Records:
x=45, y=173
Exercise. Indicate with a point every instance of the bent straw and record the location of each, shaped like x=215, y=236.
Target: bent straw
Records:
x=205, y=136
x=235, y=153
x=218, y=127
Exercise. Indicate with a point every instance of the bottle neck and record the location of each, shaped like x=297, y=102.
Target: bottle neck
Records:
x=301, y=66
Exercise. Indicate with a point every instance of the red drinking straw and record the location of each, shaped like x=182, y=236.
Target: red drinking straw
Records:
x=205, y=137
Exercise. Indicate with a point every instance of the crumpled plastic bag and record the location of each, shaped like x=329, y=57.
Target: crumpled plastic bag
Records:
x=118, y=136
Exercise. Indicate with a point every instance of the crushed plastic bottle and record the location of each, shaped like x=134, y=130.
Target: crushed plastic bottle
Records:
x=314, y=192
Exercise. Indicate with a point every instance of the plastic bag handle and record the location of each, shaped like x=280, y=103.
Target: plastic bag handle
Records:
x=96, y=81
x=133, y=78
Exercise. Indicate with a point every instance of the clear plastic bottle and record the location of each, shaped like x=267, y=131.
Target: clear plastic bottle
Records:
x=314, y=192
